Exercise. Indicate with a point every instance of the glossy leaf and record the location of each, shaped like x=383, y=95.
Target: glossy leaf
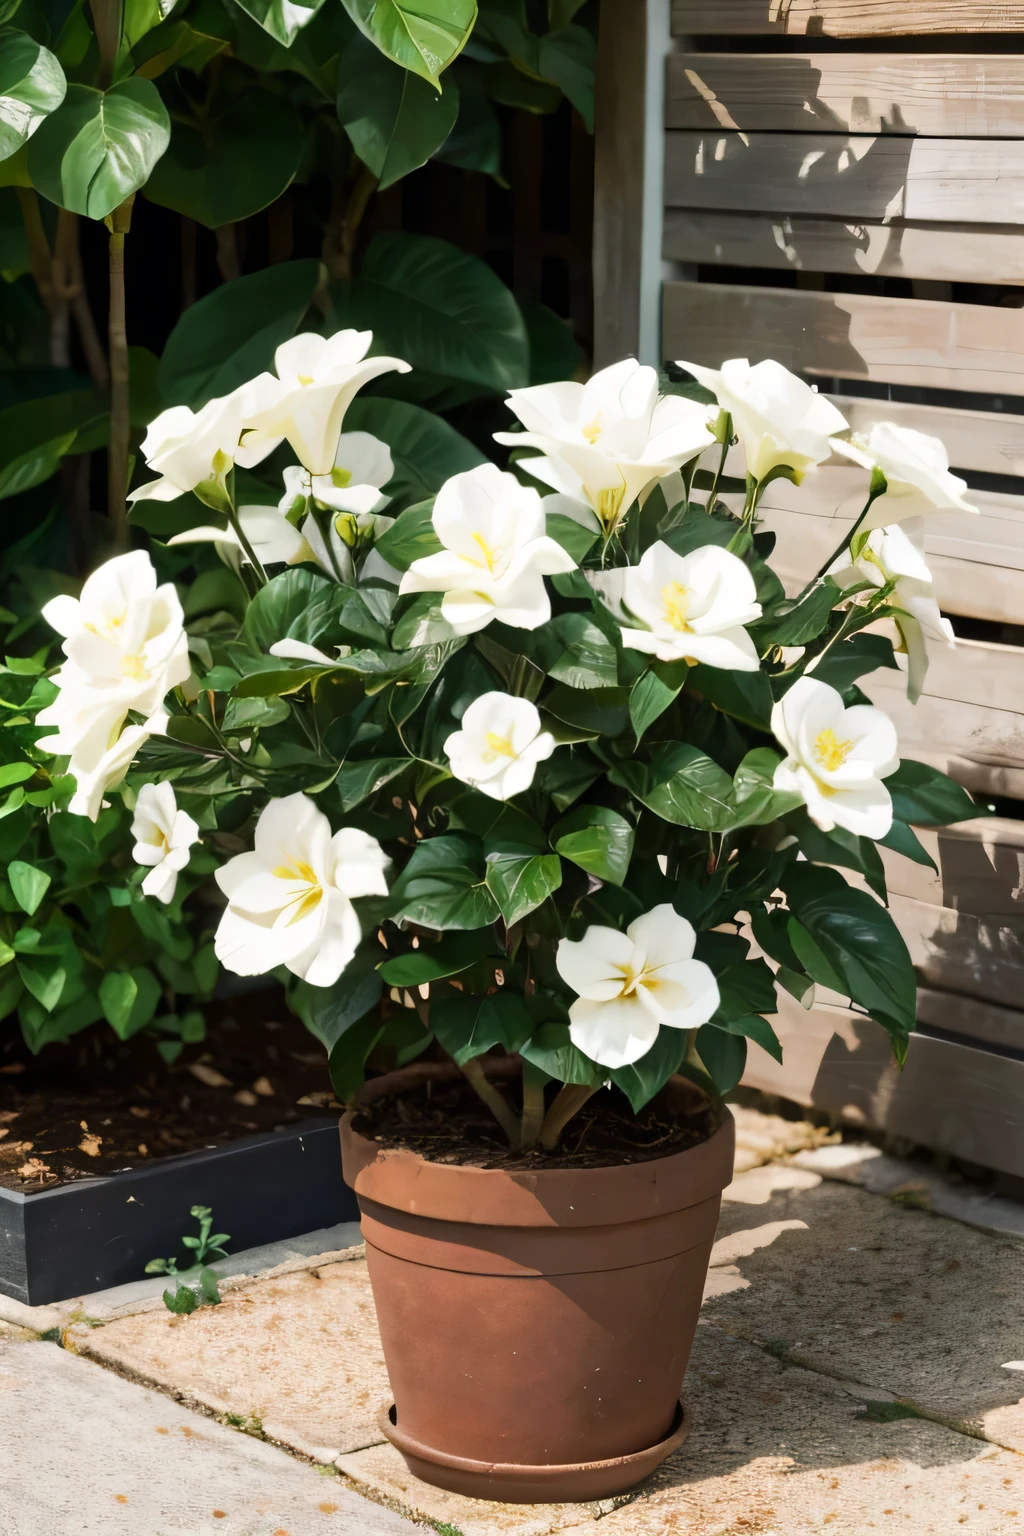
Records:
x=231, y=334
x=32, y=85
x=925, y=797
x=28, y=883
x=903, y=839
x=395, y=119
x=520, y=880
x=681, y=785
x=433, y=962
x=443, y=886
x=328, y=1012
x=241, y=157
x=653, y=692
x=469, y=1026
x=440, y=309
x=723, y=1054
x=423, y=36
x=589, y=658
x=550, y=1049
x=99, y=147
x=599, y=840
x=283, y=20
x=747, y=696
x=474, y=144
x=347, y=1061
x=648, y=1076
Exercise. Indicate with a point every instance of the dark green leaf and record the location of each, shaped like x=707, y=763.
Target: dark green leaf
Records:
x=925, y=797
x=752, y=1027
x=356, y=782
x=328, y=1012
x=474, y=144
x=550, y=1049
x=433, y=962
x=421, y=35
x=282, y=19
x=182, y=1301
x=395, y=119
x=99, y=147
x=443, y=886
x=681, y=785
x=903, y=839
x=29, y=884
x=469, y=1026
x=595, y=711
x=653, y=692
x=648, y=1076
x=577, y=539
x=747, y=696
x=597, y=839
x=589, y=659
x=32, y=85
x=723, y=1054
x=520, y=880
x=347, y=1060
x=852, y=658
x=231, y=334
x=799, y=622
x=410, y=537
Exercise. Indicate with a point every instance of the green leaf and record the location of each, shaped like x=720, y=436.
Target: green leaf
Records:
x=903, y=839
x=653, y=692
x=241, y=156
x=860, y=942
x=723, y=1054
x=230, y=335
x=747, y=696
x=410, y=537
x=129, y=999
x=551, y=1049
x=423, y=36
x=347, y=1060
x=851, y=659
x=282, y=20
x=521, y=880
x=589, y=659
x=433, y=962
x=208, y=1288
x=356, y=782
x=752, y=1027
x=15, y=773
x=756, y=799
x=443, y=311
x=598, y=840
x=747, y=986
x=182, y=1301
x=284, y=601
x=681, y=785
x=811, y=957
x=443, y=886
x=577, y=539
x=29, y=885
x=395, y=119
x=32, y=85
x=800, y=622
x=648, y=1076
x=99, y=147
x=328, y=1012
x=567, y=58
x=469, y=1026
x=426, y=451
x=925, y=797
x=595, y=711
x=44, y=976
x=474, y=144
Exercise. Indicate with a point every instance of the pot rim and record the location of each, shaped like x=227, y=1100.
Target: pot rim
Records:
x=538, y=1197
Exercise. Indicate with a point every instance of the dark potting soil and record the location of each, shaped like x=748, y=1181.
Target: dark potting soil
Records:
x=98, y=1105
x=446, y=1123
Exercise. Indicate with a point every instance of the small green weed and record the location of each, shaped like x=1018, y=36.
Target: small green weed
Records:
x=206, y=1247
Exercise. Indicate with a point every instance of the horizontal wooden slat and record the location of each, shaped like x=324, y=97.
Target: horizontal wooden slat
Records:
x=977, y=562
x=991, y=441
x=844, y=18
x=925, y=342
x=979, y=745
x=953, y=1097
x=980, y=872
x=955, y=952
x=946, y=252
x=952, y=95
x=987, y=1023
x=856, y=176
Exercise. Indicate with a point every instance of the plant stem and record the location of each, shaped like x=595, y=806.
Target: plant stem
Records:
x=69, y=249
x=42, y=264
x=119, y=223
x=475, y=1075
x=532, y=1118
x=568, y=1102
x=247, y=549
x=107, y=20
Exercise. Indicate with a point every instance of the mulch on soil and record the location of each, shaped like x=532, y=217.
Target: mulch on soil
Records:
x=98, y=1105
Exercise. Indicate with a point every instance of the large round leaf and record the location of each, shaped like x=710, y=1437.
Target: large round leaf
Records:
x=425, y=449
x=231, y=334
x=282, y=19
x=32, y=85
x=395, y=120
x=242, y=158
x=423, y=36
x=99, y=146
x=443, y=311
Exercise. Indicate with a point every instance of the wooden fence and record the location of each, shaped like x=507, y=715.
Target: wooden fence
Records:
x=844, y=191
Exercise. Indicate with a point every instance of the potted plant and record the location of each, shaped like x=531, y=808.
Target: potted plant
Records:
x=542, y=798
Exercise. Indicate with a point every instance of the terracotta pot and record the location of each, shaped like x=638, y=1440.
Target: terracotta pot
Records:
x=537, y=1325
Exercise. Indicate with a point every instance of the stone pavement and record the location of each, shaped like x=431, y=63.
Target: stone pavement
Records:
x=859, y=1366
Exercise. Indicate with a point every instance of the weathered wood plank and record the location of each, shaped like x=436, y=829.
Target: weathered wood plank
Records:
x=945, y=252
x=855, y=176
x=945, y=95
x=992, y=441
x=844, y=18
x=956, y=1098
x=1002, y=1028
x=980, y=872
x=926, y=342
x=618, y=179
x=956, y=952
x=978, y=743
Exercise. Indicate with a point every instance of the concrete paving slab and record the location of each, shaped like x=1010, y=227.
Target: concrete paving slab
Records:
x=87, y=1454
x=780, y=1451
x=880, y=1293
x=297, y=1354
x=383, y=1473
x=913, y=1182
x=146, y=1295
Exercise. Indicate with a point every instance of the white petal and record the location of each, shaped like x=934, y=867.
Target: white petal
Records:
x=663, y=935
x=593, y=965
x=615, y=1033
x=358, y=863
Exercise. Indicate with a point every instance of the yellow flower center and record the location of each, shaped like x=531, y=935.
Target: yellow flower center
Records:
x=303, y=902
x=592, y=431
x=497, y=746
x=675, y=600
x=133, y=667
x=830, y=752
x=609, y=506
x=305, y=378
x=341, y=477
x=489, y=557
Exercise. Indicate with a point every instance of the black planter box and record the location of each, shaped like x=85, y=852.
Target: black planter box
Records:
x=101, y=1232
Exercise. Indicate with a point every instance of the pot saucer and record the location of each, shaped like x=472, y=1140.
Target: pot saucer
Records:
x=513, y=1484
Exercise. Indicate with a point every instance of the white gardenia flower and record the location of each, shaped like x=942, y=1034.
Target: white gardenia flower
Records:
x=499, y=745
x=195, y=450
x=629, y=984
x=778, y=419
x=916, y=470
x=694, y=606
x=496, y=553
x=101, y=759
x=837, y=758
x=317, y=380
x=896, y=554
x=163, y=839
x=610, y=440
x=290, y=900
x=362, y=465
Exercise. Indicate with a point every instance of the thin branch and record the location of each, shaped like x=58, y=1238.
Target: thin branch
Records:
x=568, y=1102
x=69, y=248
x=532, y=1118
x=475, y=1075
